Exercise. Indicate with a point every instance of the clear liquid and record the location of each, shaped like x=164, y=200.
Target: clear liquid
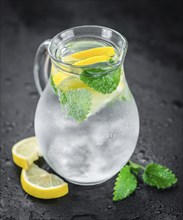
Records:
x=90, y=152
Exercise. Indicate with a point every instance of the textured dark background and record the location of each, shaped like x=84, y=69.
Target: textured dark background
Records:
x=154, y=72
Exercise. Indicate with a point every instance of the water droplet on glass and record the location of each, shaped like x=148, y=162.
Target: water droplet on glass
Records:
x=107, y=136
x=112, y=135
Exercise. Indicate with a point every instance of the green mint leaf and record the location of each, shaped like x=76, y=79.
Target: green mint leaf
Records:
x=158, y=176
x=125, y=184
x=53, y=85
x=135, y=168
x=63, y=97
x=76, y=103
x=105, y=83
x=111, y=60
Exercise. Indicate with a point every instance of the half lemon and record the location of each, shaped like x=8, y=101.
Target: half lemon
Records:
x=41, y=184
x=25, y=152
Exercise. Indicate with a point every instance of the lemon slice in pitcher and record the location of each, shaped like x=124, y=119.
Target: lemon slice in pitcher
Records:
x=41, y=184
x=25, y=152
x=84, y=54
x=58, y=75
x=92, y=60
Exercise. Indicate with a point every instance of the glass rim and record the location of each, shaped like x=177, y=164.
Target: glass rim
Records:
x=119, y=62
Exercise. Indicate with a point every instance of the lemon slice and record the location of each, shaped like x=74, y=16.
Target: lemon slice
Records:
x=25, y=152
x=71, y=83
x=98, y=51
x=58, y=78
x=57, y=75
x=41, y=184
x=92, y=60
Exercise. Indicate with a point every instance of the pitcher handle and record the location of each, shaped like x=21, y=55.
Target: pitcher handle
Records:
x=41, y=62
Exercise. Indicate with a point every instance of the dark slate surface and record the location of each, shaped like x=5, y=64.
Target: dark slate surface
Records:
x=154, y=71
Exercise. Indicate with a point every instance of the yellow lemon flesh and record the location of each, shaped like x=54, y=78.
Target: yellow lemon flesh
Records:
x=92, y=60
x=98, y=51
x=72, y=83
x=58, y=75
x=25, y=152
x=41, y=184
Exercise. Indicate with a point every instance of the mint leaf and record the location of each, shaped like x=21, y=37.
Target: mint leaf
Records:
x=63, y=97
x=126, y=94
x=135, y=168
x=53, y=85
x=125, y=184
x=76, y=103
x=111, y=61
x=101, y=83
x=158, y=176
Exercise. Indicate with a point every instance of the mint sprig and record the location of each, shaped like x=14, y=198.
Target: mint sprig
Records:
x=154, y=175
x=96, y=79
x=76, y=103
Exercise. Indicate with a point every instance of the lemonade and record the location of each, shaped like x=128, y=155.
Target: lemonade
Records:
x=86, y=120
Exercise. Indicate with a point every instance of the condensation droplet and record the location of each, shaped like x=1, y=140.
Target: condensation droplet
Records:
x=141, y=156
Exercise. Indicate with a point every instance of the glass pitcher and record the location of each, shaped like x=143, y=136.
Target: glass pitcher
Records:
x=86, y=121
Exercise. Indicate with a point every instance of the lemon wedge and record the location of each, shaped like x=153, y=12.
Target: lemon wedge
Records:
x=98, y=51
x=25, y=152
x=92, y=60
x=41, y=184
